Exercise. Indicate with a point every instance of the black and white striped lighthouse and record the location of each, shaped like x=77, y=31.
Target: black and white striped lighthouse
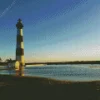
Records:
x=20, y=47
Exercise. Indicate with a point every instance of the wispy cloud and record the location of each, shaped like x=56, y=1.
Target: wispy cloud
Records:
x=8, y=8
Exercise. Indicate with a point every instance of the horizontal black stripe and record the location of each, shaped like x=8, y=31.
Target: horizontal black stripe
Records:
x=19, y=25
x=19, y=38
x=19, y=51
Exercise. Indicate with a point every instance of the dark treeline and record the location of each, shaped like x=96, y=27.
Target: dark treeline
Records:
x=57, y=63
x=3, y=63
x=69, y=62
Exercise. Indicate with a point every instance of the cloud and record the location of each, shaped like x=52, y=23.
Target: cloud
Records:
x=8, y=8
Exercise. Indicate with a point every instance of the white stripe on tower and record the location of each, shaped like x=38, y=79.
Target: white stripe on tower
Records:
x=20, y=44
x=20, y=32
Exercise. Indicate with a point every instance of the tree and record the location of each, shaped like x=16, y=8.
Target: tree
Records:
x=9, y=60
x=0, y=59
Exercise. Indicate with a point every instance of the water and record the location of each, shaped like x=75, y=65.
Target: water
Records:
x=63, y=72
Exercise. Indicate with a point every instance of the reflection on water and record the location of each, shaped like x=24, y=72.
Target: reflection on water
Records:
x=63, y=72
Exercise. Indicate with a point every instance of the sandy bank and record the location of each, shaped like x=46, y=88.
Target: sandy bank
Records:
x=35, y=88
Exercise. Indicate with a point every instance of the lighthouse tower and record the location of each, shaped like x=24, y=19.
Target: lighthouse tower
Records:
x=20, y=47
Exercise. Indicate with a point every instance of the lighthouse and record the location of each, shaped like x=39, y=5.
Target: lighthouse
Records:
x=20, y=47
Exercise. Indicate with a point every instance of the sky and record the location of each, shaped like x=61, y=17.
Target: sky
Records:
x=54, y=30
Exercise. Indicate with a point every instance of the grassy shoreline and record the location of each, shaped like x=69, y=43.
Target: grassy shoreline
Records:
x=30, y=88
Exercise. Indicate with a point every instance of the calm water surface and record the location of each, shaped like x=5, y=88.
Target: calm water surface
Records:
x=63, y=72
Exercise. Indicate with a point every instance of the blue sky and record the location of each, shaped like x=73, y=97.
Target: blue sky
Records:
x=54, y=30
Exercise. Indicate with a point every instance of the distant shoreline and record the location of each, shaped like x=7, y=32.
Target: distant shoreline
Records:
x=68, y=62
x=56, y=63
